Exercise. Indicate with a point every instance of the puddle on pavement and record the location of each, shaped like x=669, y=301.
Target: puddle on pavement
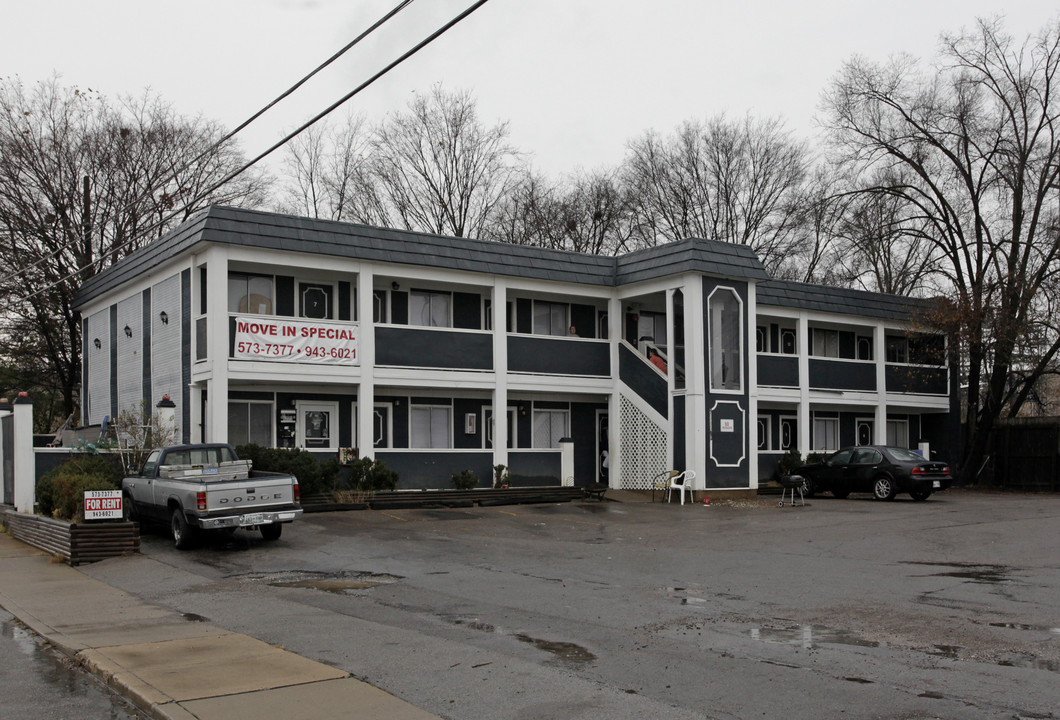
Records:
x=809, y=636
x=987, y=574
x=1023, y=626
x=684, y=595
x=336, y=583
x=564, y=652
x=1028, y=661
x=193, y=617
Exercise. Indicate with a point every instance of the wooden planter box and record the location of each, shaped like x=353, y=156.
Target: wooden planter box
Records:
x=75, y=543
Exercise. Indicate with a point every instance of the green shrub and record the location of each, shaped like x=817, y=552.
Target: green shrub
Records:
x=61, y=491
x=465, y=480
x=789, y=461
x=314, y=476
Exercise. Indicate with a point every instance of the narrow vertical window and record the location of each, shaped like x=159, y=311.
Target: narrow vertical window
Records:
x=726, y=340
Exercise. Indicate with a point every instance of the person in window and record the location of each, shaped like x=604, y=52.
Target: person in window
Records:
x=573, y=332
x=654, y=359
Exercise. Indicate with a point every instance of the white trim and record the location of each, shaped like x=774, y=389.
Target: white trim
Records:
x=740, y=331
x=303, y=406
x=743, y=430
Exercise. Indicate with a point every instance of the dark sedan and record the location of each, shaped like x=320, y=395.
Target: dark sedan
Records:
x=880, y=470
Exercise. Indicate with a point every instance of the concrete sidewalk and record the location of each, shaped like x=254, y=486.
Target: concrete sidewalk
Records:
x=172, y=666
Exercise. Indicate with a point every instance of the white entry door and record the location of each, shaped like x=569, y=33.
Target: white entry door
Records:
x=318, y=425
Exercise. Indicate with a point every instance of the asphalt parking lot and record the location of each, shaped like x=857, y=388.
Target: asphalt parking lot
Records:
x=843, y=608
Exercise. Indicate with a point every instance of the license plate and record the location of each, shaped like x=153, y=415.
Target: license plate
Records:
x=255, y=519
x=936, y=484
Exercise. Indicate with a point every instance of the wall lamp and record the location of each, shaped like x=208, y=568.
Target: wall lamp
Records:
x=97, y=343
x=394, y=285
x=128, y=331
x=163, y=317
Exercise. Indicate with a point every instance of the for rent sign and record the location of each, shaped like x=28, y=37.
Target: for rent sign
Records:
x=291, y=340
x=103, y=505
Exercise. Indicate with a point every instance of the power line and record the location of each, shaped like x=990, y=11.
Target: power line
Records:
x=175, y=174
x=236, y=173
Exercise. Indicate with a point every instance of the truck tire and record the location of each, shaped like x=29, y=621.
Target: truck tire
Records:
x=183, y=533
x=271, y=532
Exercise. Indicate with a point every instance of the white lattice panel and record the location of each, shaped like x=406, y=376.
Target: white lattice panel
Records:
x=643, y=447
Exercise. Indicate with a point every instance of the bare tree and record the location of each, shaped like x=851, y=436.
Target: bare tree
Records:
x=84, y=182
x=736, y=182
x=587, y=213
x=439, y=169
x=328, y=174
x=976, y=143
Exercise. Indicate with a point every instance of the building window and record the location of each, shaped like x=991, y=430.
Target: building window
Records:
x=250, y=423
x=429, y=309
x=898, y=433
x=825, y=434
x=864, y=433
x=550, y=318
x=651, y=326
x=431, y=426
x=825, y=343
x=251, y=294
x=550, y=426
x=726, y=339
x=897, y=349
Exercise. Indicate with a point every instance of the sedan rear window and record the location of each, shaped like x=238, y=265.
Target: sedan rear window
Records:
x=905, y=455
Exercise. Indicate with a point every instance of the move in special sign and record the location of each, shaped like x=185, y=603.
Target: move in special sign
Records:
x=103, y=505
x=295, y=340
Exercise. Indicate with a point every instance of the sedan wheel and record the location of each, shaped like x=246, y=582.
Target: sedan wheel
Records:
x=883, y=488
x=809, y=487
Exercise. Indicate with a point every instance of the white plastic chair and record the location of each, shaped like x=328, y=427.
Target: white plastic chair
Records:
x=681, y=482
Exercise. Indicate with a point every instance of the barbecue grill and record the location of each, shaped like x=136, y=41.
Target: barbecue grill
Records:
x=794, y=483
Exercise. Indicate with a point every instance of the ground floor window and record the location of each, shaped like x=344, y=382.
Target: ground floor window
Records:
x=825, y=433
x=898, y=433
x=250, y=422
x=432, y=426
x=550, y=426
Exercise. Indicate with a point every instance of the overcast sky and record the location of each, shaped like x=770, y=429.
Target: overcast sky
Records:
x=576, y=78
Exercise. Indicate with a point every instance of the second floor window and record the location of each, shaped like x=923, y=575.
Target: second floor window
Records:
x=897, y=349
x=550, y=318
x=429, y=309
x=250, y=294
x=825, y=343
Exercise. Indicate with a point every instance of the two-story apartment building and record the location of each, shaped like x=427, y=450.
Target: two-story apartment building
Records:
x=437, y=354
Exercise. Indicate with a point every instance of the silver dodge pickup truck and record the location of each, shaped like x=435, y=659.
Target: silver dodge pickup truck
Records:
x=206, y=487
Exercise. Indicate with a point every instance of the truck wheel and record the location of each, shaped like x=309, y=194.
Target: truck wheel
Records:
x=271, y=532
x=183, y=534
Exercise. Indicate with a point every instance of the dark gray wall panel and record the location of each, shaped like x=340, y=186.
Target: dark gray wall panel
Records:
x=841, y=375
x=433, y=470
x=558, y=356
x=412, y=347
x=534, y=469
x=911, y=379
x=778, y=370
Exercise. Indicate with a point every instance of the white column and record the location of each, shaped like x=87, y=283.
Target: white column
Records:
x=697, y=432
x=614, y=402
x=24, y=465
x=365, y=439
x=879, y=342
x=804, y=385
x=5, y=411
x=216, y=342
x=499, y=320
x=752, y=385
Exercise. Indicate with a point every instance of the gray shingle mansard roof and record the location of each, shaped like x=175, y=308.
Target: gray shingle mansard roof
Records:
x=234, y=226
x=825, y=298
